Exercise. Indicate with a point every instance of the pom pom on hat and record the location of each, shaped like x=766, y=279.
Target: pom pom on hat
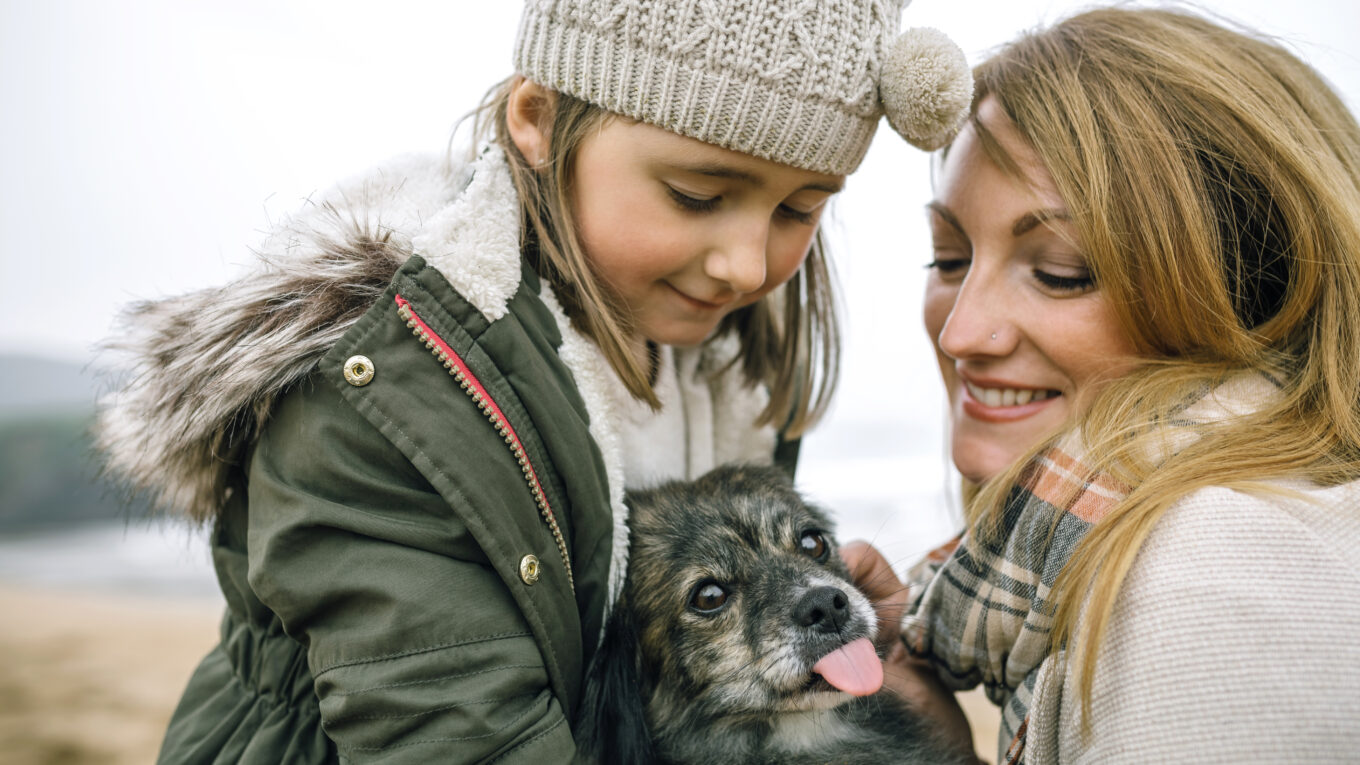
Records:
x=926, y=87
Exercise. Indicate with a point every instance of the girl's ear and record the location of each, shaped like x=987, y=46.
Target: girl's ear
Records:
x=528, y=115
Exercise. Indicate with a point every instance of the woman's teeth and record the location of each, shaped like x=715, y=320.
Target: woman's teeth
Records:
x=1008, y=396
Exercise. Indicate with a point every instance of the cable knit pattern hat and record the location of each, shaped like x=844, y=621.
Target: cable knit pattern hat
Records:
x=793, y=81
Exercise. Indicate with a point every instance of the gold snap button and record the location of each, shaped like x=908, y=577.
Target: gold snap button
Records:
x=358, y=371
x=529, y=569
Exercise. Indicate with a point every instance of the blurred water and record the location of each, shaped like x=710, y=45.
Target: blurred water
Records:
x=143, y=558
x=893, y=498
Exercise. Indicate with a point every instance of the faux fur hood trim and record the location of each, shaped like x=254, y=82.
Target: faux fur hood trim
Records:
x=202, y=371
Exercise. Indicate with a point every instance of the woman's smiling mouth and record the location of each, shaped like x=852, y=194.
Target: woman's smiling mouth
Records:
x=998, y=397
x=1004, y=404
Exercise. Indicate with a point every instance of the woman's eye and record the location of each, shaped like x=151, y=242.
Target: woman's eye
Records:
x=708, y=597
x=814, y=545
x=1064, y=282
x=691, y=203
x=949, y=267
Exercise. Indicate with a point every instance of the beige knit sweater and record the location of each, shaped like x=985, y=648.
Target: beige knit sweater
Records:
x=1235, y=638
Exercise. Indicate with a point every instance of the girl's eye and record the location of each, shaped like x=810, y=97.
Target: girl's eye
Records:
x=708, y=597
x=797, y=216
x=1065, y=283
x=693, y=204
x=814, y=545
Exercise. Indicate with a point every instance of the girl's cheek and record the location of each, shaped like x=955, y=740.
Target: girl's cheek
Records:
x=788, y=268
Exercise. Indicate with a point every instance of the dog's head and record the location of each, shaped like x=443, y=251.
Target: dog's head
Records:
x=735, y=591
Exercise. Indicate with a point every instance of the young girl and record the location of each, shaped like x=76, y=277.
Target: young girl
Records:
x=411, y=428
x=1146, y=267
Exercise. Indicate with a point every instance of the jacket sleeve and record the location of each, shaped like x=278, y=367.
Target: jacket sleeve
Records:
x=417, y=648
x=1233, y=640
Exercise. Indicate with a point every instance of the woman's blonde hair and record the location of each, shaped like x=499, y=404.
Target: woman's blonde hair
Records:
x=790, y=339
x=1214, y=181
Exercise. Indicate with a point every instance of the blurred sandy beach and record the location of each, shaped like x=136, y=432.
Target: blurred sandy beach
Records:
x=92, y=677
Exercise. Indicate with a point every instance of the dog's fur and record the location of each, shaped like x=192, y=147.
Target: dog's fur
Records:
x=674, y=684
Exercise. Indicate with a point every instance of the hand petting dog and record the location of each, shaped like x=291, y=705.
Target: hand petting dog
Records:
x=910, y=679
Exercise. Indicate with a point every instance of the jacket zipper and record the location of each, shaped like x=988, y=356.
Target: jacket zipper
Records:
x=460, y=372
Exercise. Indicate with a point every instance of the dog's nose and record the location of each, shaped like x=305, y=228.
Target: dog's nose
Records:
x=825, y=609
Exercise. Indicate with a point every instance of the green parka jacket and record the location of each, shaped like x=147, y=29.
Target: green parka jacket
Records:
x=416, y=498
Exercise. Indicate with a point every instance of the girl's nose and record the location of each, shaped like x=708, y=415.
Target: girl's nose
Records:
x=979, y=324
x=739, y=262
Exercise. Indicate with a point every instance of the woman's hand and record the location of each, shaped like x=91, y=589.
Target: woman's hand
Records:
x=875, y=578
x=911, y=679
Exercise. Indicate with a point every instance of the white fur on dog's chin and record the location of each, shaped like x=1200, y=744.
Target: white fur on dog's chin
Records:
x=821, y=729
x=816, y=701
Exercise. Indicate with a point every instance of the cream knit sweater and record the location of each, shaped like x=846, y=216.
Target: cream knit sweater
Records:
x=1235, y=638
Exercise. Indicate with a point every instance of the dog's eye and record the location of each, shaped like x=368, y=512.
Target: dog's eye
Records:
x=814, y=545
x=707, y=597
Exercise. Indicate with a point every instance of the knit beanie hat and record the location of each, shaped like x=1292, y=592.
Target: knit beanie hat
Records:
x=793, y=81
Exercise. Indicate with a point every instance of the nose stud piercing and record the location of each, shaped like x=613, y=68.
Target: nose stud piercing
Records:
x=993, y=335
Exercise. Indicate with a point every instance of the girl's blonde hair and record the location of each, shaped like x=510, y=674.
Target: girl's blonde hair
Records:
x=790, y=339
x=1214, y=181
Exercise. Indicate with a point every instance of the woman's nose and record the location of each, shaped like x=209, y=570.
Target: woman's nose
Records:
x=979, y=323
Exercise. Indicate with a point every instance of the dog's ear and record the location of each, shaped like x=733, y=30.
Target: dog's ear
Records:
x=613, y=721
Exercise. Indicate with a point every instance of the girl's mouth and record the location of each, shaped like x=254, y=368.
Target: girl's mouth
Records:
x=696, y=303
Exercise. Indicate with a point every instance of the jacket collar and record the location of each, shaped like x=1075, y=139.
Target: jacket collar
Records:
x=475, y=242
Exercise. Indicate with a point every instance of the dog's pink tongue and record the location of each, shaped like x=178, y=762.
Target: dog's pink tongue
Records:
x=853, y=668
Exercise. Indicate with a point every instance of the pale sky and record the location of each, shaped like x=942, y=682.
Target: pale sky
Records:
x=146, y=144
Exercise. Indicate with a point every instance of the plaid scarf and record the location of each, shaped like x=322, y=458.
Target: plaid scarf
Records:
x=982, y=612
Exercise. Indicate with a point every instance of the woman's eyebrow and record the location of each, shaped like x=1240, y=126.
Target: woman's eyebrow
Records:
x=1030, y=220
x=939, y=209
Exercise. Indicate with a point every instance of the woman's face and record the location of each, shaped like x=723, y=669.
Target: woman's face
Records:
x=1021, y=332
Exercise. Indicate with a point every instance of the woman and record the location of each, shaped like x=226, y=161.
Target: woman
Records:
x=1142, y=297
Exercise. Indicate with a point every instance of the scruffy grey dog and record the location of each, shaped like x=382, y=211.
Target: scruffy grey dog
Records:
x=735, y=591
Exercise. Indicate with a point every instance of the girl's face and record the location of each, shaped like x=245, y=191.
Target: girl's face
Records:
x=686, y=232
x=1021, y=332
